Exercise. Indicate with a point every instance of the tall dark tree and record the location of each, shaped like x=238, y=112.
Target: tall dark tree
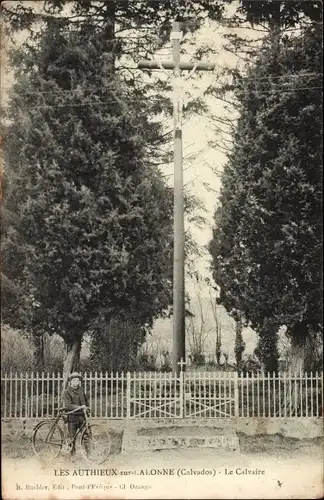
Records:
x=267, y=242
x=94, y=217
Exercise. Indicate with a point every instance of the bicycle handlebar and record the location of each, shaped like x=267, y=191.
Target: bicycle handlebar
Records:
x=73, y=411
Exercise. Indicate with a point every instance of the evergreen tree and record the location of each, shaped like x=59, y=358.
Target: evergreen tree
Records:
x=94, y=217
x=266, y=245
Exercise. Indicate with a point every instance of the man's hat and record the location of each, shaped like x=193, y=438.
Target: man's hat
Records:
x=75, y=375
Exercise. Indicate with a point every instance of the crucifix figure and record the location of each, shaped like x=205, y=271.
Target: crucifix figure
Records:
x=179, y=344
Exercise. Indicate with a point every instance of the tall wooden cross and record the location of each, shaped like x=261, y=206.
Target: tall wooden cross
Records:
x=179, y=339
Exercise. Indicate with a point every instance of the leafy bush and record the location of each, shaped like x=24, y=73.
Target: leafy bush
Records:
x=250, y=365
x=88, y=365
x=55, y=354
x=198, y=358
x=17, y=350
x=166, y=366
x=145, y=363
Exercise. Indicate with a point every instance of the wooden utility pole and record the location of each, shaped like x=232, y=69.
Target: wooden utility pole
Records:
x=179, y=342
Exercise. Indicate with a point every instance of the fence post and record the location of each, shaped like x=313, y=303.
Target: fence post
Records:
x=128, y=395
x=236, y=395
x=182, y=401
x=5, y=396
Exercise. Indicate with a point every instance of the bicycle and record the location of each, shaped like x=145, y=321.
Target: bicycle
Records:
x=93, y=437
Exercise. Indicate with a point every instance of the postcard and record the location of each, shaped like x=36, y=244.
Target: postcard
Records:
x=161, y=190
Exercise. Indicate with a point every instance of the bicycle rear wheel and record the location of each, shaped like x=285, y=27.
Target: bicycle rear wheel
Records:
x=47, y=441
x=95, y=444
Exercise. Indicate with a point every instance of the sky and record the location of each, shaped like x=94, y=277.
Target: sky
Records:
x=201, y=160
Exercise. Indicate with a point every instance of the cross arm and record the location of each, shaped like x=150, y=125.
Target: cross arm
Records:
x=143, y=64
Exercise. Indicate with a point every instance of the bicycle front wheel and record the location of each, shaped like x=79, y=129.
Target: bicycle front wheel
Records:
x=95, y=443
x=48, y=440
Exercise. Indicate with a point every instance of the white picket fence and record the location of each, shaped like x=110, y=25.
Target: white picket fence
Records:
x=166, y=395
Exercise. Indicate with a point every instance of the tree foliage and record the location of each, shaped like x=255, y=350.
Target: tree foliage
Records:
x=289, y=14
x=267, y=238
x=254, y=20
x=127, y=14
x=94, y=217
x=115, y=343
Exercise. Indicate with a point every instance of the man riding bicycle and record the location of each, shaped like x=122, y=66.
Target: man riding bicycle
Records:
x=75, y=397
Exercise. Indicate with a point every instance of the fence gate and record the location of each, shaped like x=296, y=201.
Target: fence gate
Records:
x=154, y=395
x=210, y=396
